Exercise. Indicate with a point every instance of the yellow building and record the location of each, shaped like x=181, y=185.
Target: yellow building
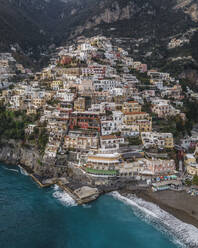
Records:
x=31, y=110
x=145, y=125
x=81, y=140
x=105, y=162
x=73, y=71
x=192, y=169
x=39, y=102
x=80, y=104
x=163, y=140
x=131, y=107
x=131, y=118
x=56, y=84
x=142, y=119
x=46, y=74
x=49, y=95
x=131, y=128
x=191, y=164
x=6, y=92
x=169, y=142
x=189, y=159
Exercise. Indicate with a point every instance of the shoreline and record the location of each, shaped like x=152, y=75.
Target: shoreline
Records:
x=179, y=204
x=162, y=199
x=56, y=181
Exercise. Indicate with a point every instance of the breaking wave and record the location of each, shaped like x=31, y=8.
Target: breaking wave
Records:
x=23, y=172
x=63, y=197
x=15, y=170
x=87, y=206
x=182, y=234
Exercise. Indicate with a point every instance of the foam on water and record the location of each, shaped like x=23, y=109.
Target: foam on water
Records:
x=86, y=206
x=5, y=168
x=182, y=234
x=56, y=187
x=23, y=172
x=63, y=197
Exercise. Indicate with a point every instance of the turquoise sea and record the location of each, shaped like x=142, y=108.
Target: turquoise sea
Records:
x=31, y=217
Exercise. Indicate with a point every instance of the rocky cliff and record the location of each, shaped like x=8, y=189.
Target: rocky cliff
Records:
x=39, y=21
x=14, y=153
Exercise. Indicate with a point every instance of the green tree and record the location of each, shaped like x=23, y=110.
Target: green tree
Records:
x=42, y=139
x=195, y=180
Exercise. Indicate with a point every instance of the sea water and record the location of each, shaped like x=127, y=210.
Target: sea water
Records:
x=31, y=217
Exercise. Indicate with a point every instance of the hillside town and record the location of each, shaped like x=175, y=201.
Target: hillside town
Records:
x=108, y=116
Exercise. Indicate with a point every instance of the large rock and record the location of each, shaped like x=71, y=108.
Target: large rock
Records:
x=86, y=193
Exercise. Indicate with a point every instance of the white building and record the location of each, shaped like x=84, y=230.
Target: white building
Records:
x=106, y=85
x=110, y=143
x=65, y=96
x=117, y=92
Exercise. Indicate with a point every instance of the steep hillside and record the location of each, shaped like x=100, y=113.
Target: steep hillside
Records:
x=158, y=32
x=17, y=26
x=30, y=23
x=152, y=23
x=41, y=20
x=162, y=33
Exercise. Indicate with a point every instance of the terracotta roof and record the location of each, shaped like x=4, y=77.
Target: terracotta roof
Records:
x=132, y=102
x=135, y=113
x=153, y=70
x=107, y=137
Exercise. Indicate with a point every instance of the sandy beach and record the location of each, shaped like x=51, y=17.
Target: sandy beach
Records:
x=180, y=204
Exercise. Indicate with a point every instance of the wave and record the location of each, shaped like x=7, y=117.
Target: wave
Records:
x=56, y=187
x=23, y=172
x=87, y=206
x=63, y=197
x=182, y=234
x=15, y=170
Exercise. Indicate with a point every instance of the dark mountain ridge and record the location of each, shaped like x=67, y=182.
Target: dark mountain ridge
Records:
x=39, y=20
x=151, y=24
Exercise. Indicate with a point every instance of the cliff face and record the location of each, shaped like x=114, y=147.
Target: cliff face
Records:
x=139, y=17
x=190, y=7
x=13, y=153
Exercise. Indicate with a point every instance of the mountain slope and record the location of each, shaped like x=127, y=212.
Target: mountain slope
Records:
x=34, y=19
x=16, y=26
x=31, y=23
x=150, y=25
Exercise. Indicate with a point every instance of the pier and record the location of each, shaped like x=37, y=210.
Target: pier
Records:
x=81, y=195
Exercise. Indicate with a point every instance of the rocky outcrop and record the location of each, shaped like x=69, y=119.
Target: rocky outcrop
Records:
x=192, y=76
x=109, y=15
x=190, y=7
x=13, y=153
x=86, y=194
x=76, y=174
x=57, y=20
x=114, y=13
